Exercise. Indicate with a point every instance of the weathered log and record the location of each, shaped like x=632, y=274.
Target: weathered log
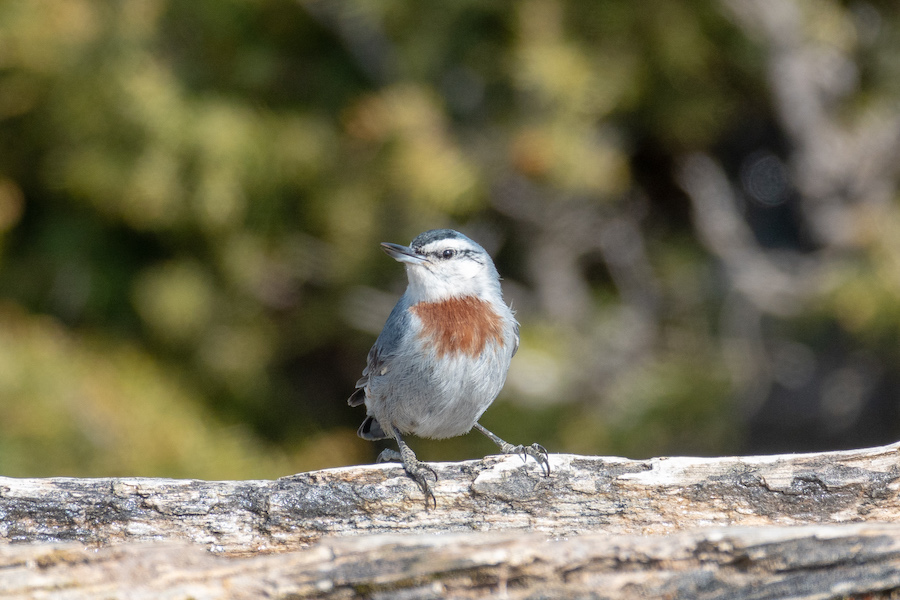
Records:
x=821, y=561
x=800, y=526
x=583, y=494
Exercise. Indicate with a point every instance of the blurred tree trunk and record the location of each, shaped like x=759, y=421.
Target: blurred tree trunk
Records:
x=677, y=526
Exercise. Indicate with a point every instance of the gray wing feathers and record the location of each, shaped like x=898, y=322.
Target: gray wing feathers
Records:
x=358, y=397
x=378, y=364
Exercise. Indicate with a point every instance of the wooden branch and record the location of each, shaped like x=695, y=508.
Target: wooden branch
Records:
x=678, y=527
x=611, y=495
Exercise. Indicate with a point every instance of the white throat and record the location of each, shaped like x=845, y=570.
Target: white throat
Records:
x=428, y=284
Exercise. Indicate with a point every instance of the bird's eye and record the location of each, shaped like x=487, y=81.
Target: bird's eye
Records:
x=448, y=253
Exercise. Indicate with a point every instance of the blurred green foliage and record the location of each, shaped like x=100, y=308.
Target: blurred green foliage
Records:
x=192, y=193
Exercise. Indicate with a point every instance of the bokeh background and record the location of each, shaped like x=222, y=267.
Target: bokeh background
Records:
x=693, y=203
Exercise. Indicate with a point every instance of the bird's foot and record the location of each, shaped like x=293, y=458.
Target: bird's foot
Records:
x=388, y=455
x=535, y=451
x=416, y=469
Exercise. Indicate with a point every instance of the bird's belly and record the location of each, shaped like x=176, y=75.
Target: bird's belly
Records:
x=445, y=397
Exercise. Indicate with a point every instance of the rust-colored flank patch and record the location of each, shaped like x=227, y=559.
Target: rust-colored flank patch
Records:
x=459, y=325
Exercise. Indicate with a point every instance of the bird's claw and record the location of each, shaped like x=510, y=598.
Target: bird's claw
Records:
x=389, y=455
x=535, y=451
x=417, y=471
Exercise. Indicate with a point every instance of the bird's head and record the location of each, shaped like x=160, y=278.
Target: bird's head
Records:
x=443, y=263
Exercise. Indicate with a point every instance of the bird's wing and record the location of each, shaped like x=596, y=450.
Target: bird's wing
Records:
x=378, y=362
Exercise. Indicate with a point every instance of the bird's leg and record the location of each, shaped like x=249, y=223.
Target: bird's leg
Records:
x=415, y=468
x=535, y=451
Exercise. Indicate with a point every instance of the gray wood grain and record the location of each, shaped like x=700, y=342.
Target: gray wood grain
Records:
x=497, y=494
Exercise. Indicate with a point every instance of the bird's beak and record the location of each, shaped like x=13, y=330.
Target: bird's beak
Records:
x=403, y=254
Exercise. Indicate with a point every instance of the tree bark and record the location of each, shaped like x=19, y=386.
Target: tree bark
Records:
x=597, y=527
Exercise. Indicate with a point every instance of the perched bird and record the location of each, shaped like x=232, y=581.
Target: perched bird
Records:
x=443, y=354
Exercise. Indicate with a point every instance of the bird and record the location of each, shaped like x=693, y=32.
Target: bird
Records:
x=443, y=354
